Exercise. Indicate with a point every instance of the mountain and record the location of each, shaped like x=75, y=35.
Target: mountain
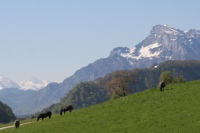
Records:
x=17, y=95
x=89, y=93
x=163, y=43
x=33, y=84
x=7, y=83
x=16, y=98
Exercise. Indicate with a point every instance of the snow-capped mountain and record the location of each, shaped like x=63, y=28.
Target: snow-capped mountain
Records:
x=33, y=84
x=7, y=83
x=163, y=43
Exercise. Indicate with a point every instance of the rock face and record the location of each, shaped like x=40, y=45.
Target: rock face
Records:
x=163, y=43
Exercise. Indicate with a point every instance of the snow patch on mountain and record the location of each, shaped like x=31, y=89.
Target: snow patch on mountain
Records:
x=7, y=83
x=170, y=30
x=33, y=84
x=145, y=52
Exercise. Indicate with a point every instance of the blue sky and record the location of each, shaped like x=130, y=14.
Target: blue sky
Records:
x=51, y=39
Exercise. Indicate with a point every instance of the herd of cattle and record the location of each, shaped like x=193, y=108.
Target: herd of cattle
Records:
x=47, y=114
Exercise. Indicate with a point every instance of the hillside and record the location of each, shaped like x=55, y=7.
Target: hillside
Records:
x=86, y=94
x=6, y=114
x=174, y=110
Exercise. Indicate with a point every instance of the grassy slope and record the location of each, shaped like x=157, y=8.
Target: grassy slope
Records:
x=174, y=110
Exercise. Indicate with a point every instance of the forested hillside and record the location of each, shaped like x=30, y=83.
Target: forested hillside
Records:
x=6, y=114
x=94, y=92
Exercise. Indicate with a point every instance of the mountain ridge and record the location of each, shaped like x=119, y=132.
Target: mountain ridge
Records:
x=31, y=84
x=162, y=44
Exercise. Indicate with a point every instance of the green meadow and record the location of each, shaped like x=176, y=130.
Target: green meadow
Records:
x=176, y=110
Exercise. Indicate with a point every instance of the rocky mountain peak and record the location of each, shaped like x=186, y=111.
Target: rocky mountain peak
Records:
x=193, y=33
x=164, y=43
x=164, y=29
x=119, y=50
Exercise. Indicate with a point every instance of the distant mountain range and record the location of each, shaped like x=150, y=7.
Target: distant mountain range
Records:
x=7, y=83
x=32, y=84
x=163, y=43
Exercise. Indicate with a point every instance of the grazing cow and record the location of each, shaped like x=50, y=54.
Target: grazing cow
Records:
x=17, y=123
x=68, y=108
x=162, y=86
x=44, y=115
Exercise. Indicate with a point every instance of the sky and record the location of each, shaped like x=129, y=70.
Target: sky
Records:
x=52, y=39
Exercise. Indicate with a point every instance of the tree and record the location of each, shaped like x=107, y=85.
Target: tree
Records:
x=179, y=80
x=166, y=77
x=118, y=85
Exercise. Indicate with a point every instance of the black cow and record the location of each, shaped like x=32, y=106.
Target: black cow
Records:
x=44, y=115
x=17, y=123
x=68, y=108
x=162, y=86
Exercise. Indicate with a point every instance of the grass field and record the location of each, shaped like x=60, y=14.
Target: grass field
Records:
x=176, y=110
